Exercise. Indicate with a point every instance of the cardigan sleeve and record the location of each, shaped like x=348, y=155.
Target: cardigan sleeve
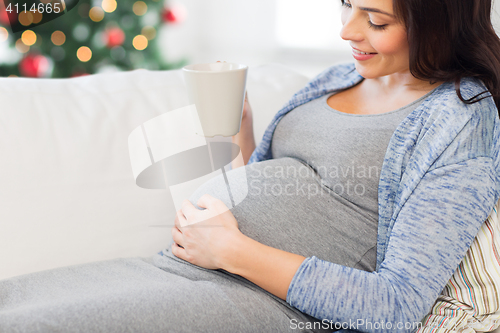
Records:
x=431, y=234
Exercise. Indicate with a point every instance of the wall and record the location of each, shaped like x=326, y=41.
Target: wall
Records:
x=239, y=31
x=244, y=31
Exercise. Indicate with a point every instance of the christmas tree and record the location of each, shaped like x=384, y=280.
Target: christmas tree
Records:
x=85, y=37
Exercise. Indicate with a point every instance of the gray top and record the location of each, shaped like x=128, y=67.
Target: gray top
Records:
x=318, y=195
x=345, y=150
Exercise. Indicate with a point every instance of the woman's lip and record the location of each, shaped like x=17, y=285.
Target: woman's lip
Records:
x=360, y=56
x=362, y=51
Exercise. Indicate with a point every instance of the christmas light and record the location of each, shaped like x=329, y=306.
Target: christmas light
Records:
x=4, y=34
x=28, y=37
x=96, y=14
x=37, y=17
x=109, y=6
x=21, y=47
x=140, y=8
x=114, y=36
x=140, y=42
x=58, y=38
x=149, y=32
x=81, y=32
x=117, y=53
x=57, y=53
x=127, y=22
x=25, y=18
x=120, y=34
x=35, y=65
x=84, y=54
x=4, y=17
x=175, y=14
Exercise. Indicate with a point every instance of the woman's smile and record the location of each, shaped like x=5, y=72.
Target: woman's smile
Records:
x=361, y=55
x=377, y=37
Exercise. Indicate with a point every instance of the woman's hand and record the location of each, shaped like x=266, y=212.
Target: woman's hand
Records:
x=245, y=139
x=205, y=237
x=246, y=118
x=211, y=239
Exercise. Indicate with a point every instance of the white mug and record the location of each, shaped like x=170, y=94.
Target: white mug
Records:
x=218, y=92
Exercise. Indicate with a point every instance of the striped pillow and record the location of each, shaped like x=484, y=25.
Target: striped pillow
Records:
x=470, y=301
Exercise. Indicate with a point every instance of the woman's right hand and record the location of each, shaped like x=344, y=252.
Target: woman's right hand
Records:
x=246, y=118
x=245, y=139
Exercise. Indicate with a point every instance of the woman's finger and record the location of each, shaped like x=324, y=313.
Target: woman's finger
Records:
x=180, y=220
x=179, y=252
x=188, y=209
x=206, y=201
x=177, y=236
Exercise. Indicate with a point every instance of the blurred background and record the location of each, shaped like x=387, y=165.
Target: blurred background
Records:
x=94, y=36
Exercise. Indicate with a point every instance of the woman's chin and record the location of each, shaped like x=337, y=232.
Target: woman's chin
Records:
x=366, y=71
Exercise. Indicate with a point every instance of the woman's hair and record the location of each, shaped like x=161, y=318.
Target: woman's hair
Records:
x=452, y=39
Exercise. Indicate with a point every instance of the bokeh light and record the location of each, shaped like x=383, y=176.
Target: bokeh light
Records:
x=140, y=8
x=37, y=17
x=127, y=22
x=21, y=47
x=58, y=38
x=84, y=54
x=57, y=53
x=109, y=6
x=96, y=14
x=117, y=53
x=140, y=42
x=28, y=37
x=81, y=32
x=4, y=34
x=25, y=18
x=62, y=4
x=149, y=32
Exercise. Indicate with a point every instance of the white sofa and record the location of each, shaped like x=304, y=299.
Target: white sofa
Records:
x=67, y=192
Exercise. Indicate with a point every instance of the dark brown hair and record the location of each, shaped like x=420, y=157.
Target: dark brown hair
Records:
x=452, y=39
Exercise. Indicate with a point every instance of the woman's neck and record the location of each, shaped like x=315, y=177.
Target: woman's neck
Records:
x=402, y=82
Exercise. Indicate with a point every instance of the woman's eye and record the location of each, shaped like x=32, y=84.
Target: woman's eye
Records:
x=345, y=4
x=376, y=26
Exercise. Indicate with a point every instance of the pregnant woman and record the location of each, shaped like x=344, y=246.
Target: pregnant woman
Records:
x=364, y=195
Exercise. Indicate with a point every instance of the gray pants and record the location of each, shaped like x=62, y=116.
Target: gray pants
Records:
x=167, y=294
x=158, y=294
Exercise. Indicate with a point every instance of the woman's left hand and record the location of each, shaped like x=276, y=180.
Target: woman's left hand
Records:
x=205, y=237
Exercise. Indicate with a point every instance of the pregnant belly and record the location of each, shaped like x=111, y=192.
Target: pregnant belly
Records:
x=287, y=208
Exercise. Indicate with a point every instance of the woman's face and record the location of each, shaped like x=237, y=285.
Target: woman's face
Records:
x=371, y=27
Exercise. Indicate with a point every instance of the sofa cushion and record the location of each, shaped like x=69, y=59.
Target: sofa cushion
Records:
x=67, y=193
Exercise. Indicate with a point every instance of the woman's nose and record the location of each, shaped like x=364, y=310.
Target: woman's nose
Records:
x=351, y=29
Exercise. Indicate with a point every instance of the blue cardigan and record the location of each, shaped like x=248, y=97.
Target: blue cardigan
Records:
x=438, y=183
